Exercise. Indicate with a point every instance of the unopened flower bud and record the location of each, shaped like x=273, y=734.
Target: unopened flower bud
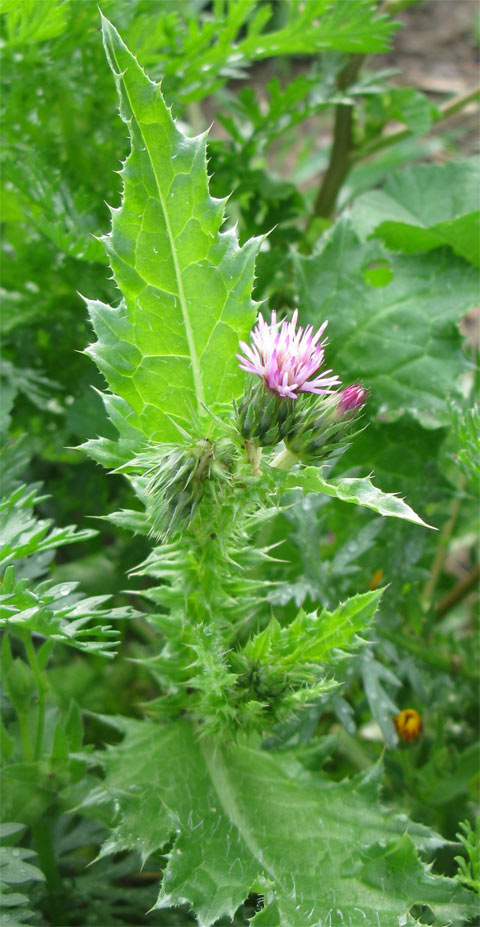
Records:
x=174, y=480
x=408, y=724
x=323, y=423
x=352, y=398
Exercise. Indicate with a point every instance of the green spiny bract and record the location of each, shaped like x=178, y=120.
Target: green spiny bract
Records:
x=174, y=478
x=263, y=416
x=322, y=424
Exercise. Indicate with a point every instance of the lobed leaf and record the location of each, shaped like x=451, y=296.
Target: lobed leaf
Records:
x=425, y=207
x=311, y=638
x=58, y=612
x=22, y=534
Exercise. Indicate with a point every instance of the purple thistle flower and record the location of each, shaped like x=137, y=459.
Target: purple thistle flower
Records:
x=285, y=358
x=352, y=398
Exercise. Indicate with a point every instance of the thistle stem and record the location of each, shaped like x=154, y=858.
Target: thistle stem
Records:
x=458, y=592
x=442, y=548
x=25, y=736
x=342, y=145
x=285, y=460
x=254, y=454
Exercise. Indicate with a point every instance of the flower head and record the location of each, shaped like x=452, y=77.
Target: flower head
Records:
x=284, y=357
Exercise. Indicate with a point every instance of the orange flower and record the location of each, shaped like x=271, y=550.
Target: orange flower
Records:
x=408, y=724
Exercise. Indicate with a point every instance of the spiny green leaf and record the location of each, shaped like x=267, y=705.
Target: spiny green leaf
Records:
x=400, y=339
x=311, y=638
x=170, y=346
x=233, y=812
x=360, y=491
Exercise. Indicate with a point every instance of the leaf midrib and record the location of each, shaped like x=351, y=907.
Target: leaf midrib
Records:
x=218, y=773
x=197, y=377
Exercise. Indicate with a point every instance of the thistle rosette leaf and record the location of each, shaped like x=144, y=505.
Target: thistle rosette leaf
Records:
x=233, y=810
x=401, y=338
x=169, y=347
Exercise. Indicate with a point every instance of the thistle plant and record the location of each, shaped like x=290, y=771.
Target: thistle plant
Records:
x=215, y=434
x=256, y=719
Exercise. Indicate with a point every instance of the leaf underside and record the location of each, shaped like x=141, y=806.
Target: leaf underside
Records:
x=357, y=490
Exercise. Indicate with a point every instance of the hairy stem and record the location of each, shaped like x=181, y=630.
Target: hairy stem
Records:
x=254, y=454
x=285, y=460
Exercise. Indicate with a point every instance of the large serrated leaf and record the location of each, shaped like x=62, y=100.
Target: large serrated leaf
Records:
x=400, y=339
x=247, y=820
x=169, y=347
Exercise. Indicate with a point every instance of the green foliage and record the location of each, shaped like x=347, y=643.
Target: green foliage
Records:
x=469, y=869
x=60, y=613
x=229, y=835
x=16, y=873
x=423, y=208
x=204, y=52
x=24, y=535
x=401, y=338
x=199, y=286
x=357, y=491
x=467, y=433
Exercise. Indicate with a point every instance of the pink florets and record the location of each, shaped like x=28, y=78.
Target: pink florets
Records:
x=352, y=398
x=285, y=358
